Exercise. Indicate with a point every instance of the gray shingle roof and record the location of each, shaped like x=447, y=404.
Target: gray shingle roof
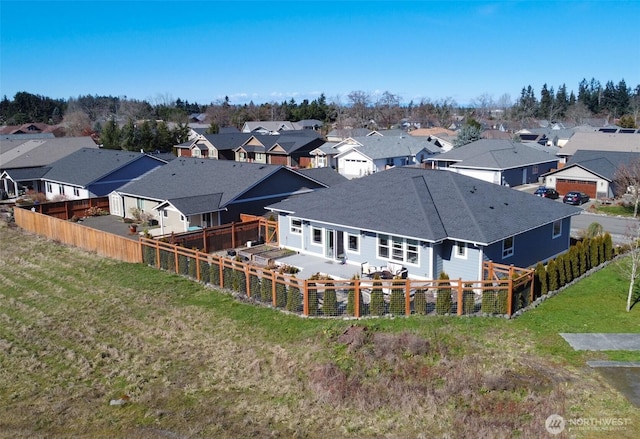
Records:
x=40, y=152
x=496, y=154
x=88, y=165
x=603, y=163
x=194, y=177
x=326, y=176
x=381, y=147
x=430, y=205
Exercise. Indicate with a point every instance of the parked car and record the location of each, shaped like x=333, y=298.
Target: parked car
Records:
x=547, y=192
x=575, y=197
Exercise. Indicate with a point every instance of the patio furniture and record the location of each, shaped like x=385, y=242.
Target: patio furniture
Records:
x=369, y=270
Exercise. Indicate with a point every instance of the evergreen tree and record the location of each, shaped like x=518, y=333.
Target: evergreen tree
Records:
x=330, y=302
x=443, y=300
x=396, y=301
x=377, y=298
x=420, y=302
x=541, y=286
x=110, y=136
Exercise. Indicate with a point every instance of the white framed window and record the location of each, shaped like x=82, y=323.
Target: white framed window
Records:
x=296, y=226
x=353, y=243
x=61, y=189
x=507, y=247
x=49, y=188
x=140, y=203
x=557, y=228
x=316, y=235
x=413, y=256
x=398, y=249
x=383, y=246
x=76, y=192
x=165, y=213
x=461, y=250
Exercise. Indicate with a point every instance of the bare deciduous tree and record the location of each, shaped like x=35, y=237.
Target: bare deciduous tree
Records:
x=626, y=182
x=629, y=266
x=360, y=102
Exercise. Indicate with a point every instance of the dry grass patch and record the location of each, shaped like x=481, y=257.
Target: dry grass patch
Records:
x=77, y=331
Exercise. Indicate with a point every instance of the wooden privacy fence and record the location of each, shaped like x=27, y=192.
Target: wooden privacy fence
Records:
x=211, y=239
x=505, y=290
x=103, y=243
x=67, y=209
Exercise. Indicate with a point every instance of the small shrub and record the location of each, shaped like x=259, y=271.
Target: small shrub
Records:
x=254, y=285
x=330, y=302
x=396, y=301
x=281, y=295
x=377, y=299
x=541, y=285
x=204, y=272
x=294, y=300
x=562, y=278
x=552, y=275
x=312, y=293
x=193, y=268
x=183, y=265
x=443, y=300
x=608, y=246
x=227, y=277
x=266, y=294
x=214, y=274
x=468, y=300
x=593, y=252
x=420, y=302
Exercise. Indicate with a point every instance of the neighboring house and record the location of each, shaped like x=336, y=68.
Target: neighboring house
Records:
x=498, y=161
x=32, y=128
x=592, y=172
x=291, y=148
x=189, y=193
x=22, y=159
x=340, y=134
x=554, y=135
x=267, y=127
x=372, y=154
x=89, y=172
x=429, y=221
x=600, y=141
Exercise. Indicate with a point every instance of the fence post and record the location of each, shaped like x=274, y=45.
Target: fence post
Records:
x=157, y=246
x=247, y=278
x=532, y=280
x=407, y=297
x=305, y=298
x=197, y=258
x=274, y=280
x=460, y=296
x=356, y=297
x=510, y=294
x=221, y=270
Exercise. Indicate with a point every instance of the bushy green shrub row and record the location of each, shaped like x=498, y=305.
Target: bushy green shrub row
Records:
x=580, y=258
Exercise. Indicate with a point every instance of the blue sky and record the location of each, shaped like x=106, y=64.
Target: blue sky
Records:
x=269, y=51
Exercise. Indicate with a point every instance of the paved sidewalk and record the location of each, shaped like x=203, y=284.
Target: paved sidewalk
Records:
x=603, y=342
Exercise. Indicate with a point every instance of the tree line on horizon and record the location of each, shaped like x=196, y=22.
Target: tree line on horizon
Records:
x=86, y=115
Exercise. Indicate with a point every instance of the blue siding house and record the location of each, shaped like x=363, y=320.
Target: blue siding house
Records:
x=428, y=221
x=91, y=172
x=499, y=161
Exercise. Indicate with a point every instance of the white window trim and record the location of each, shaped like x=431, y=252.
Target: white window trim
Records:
x=357, y=237
x=318, y=243
x=404, y=249
x=295, y=229
x=508, y=252
x=461, y=246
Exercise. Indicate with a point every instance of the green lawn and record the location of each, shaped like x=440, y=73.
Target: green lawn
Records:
x=77, y=331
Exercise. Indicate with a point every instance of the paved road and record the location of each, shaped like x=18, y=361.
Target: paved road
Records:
x=618, y=227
